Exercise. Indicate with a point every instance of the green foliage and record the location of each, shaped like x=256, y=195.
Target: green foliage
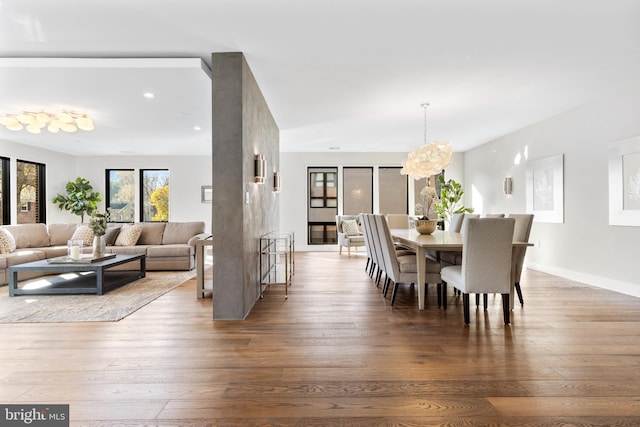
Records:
x=451, y=193
x=98, y=223
x=80, y=198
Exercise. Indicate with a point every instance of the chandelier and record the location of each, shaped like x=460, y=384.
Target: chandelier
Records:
x=67, y=121
x=430, y=159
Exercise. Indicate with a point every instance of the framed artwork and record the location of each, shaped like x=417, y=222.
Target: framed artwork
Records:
x=624, y=182
x=206, y=194
x=545, y=189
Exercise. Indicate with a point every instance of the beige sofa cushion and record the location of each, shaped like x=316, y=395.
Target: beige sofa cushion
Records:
x=84, y=233
x=169, y=251
x=181, y=232
x=151, y=233
x=7, y=242
x=129, y=235
x=29, y=235
x=59, y=234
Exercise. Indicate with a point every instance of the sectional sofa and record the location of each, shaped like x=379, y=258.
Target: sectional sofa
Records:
x=167, y=246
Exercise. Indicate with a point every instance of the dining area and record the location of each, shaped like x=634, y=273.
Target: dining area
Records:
x=473, y=255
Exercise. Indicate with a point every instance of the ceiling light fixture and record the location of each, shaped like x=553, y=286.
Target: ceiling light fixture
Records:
x=430, y=159
x=67, y=121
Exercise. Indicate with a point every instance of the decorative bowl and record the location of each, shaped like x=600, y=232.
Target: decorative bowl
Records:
x=425, y=226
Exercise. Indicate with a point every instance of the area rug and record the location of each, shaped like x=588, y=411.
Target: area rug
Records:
x=112, y=306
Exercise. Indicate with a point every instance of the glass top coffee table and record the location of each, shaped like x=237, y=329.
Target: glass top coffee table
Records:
x=87, y=276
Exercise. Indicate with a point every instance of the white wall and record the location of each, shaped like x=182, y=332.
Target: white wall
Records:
x=293, y=197
x=187, y=175
x=585, y=247
x=57, y=170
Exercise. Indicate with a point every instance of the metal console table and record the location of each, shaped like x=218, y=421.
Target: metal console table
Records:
x=277, y=262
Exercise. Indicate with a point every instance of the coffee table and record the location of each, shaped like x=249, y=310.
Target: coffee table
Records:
x=95, y=277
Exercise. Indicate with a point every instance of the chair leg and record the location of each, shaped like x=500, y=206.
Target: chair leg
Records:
x=393, y=294
x=519, y=292
x=378, y=276
x=444, y=295
x=485, y=300
x=385, y=288
x=465, y=304
x=439, y=290
x=505, y=308
x=477, y=300
x=366, y=267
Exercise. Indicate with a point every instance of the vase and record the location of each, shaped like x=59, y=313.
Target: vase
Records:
x=425, y=226
x=99, y=247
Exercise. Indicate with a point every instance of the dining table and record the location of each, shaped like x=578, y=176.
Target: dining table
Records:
x=439, y=240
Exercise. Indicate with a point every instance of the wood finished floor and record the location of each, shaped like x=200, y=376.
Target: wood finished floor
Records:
x=336, y=353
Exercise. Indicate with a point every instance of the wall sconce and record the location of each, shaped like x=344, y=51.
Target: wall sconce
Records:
x=260, y=168
x=508, y=186
x=276, y=182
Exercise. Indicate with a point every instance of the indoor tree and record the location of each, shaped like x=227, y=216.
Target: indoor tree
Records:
x=451, y=193
x=80, y=198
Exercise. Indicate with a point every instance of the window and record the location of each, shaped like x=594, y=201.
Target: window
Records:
x=393, y=188
x=323, y=206
x=120, y=194
x=30, y=185
x=154, y=194
x=358, y=190
x=5, y=214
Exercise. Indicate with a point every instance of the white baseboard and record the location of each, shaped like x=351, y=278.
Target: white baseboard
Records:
x=626, y=288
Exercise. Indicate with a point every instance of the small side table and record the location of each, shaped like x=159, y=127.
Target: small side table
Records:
x=200, y=248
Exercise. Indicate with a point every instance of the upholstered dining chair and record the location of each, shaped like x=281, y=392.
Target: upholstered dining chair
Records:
x=348, y=234
x=521, y=233
x=398, y=221
x=370, y=266
x=401, y=268
x=486, y=262
x=499, y=215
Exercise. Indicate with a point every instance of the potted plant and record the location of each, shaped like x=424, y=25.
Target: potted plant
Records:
x=80, y=198
x=451, y=193
x=98, y=225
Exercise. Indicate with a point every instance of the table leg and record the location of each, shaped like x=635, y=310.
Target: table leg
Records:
x=100, y=281
x=421, y=263
x=13, y=283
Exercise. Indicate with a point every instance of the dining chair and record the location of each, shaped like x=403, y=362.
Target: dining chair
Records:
x=486, y=262
x=370, y=266
x=521, y=233
x=398, y=221
x=456, y=222
x=493, y=216
x=401, y=268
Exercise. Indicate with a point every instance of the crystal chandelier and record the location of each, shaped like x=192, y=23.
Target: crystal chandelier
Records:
x=430, y=159
x=67, y=121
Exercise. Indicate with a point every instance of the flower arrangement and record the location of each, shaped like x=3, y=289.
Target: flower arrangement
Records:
x=98, y=223
x=429, y=197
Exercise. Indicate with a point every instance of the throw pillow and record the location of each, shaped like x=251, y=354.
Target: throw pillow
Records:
x=110, y=235
x=129, y=235
x=7, y=242
x=84, y=233
x=350, y=227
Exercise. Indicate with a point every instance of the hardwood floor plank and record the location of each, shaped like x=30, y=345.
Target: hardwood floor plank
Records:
x=336, y=353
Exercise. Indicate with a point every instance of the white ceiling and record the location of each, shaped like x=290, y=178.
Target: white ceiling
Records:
x=347, y=74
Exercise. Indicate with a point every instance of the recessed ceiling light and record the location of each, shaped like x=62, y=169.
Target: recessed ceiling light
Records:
x=149, y=95
x=334, y=148
x=197, y=128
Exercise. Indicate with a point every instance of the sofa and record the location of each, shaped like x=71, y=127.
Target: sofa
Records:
x=167, y=246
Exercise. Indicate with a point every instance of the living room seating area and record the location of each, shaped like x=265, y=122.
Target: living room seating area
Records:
x=167, y=246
